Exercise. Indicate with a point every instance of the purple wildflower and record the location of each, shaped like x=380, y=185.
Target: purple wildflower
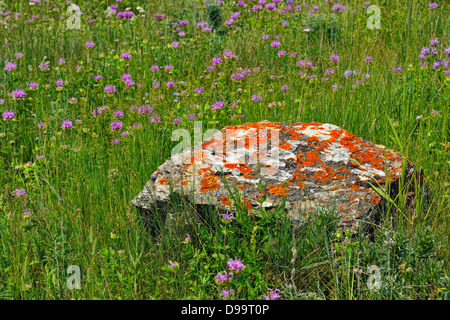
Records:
x=235, y=265
x=44, y=66
x=257, y=98
x=118, y=113
x=218, y=105
x=125, y=14
x=67, y=124
x=18, y=94
x=9, y=66
x=198, y=90
x=110, y=88
x=334, y=57
x=176, y=120
x=339, y=8
x=225, y=276
x=116, y=125
x=126, y=77
x=273, y=294
x=275, y=44
x=125, y=56
x=434, y=42
x=271, y=6
x=33, y=85
x=19, y=193
x=217, y=60
x=8, y=115
x=226, y=293
x=227, y=216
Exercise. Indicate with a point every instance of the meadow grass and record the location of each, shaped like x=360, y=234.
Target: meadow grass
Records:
x=78, y=207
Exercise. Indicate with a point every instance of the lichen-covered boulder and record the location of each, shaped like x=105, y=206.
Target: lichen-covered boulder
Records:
x=311, y=166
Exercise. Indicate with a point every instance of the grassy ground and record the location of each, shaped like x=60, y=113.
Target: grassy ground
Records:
x=78, y=210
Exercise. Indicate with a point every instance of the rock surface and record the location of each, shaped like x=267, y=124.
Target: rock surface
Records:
x=310, y=165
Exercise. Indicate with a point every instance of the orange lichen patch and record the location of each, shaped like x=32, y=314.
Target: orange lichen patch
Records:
x=334, y=134
x=298, y=176
x=266, y=124
x=241, y=187
x=301, y=185
x=184, y=183
x=206, y=172
x=279, y=189
x=295, y=135
x=335, y=188
x=231, y=165
x=268, y=169
x=246, y=205
x=326, y=168
x=243, y=167
x=344, y=170
x=285, y=145
x=323, y=175
x=308, y=160
x=355, y=187
x=322, y=146
x=207, y=143
x=370, y=157
x=349, y=140
x=248, y=176
x=209, y=183
x=312, y=139
x=163, y=181
x=224, y=200
x=375, y=199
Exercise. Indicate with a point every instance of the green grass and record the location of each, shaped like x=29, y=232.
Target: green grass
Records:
x=80, y=192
